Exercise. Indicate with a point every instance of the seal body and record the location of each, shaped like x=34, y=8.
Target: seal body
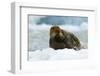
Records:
x=60, y=39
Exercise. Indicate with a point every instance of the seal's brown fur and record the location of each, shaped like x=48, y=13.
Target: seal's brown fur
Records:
x=60, y=39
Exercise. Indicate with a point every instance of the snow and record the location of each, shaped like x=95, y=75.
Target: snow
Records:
x=39, y=43
x=61, y=54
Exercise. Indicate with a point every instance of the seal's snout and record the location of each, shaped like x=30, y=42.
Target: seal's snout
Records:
x=57, y=31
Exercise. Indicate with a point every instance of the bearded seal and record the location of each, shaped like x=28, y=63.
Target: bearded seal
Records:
x=60, y=39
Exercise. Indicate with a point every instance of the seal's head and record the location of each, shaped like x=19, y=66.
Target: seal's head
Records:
x=56, y=33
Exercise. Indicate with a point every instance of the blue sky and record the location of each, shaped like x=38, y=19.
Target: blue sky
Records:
x=57, y=20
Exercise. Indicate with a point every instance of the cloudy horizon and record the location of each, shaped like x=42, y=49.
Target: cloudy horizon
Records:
x=57, y=20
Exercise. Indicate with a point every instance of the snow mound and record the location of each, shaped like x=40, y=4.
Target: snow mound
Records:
x=61, y=54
